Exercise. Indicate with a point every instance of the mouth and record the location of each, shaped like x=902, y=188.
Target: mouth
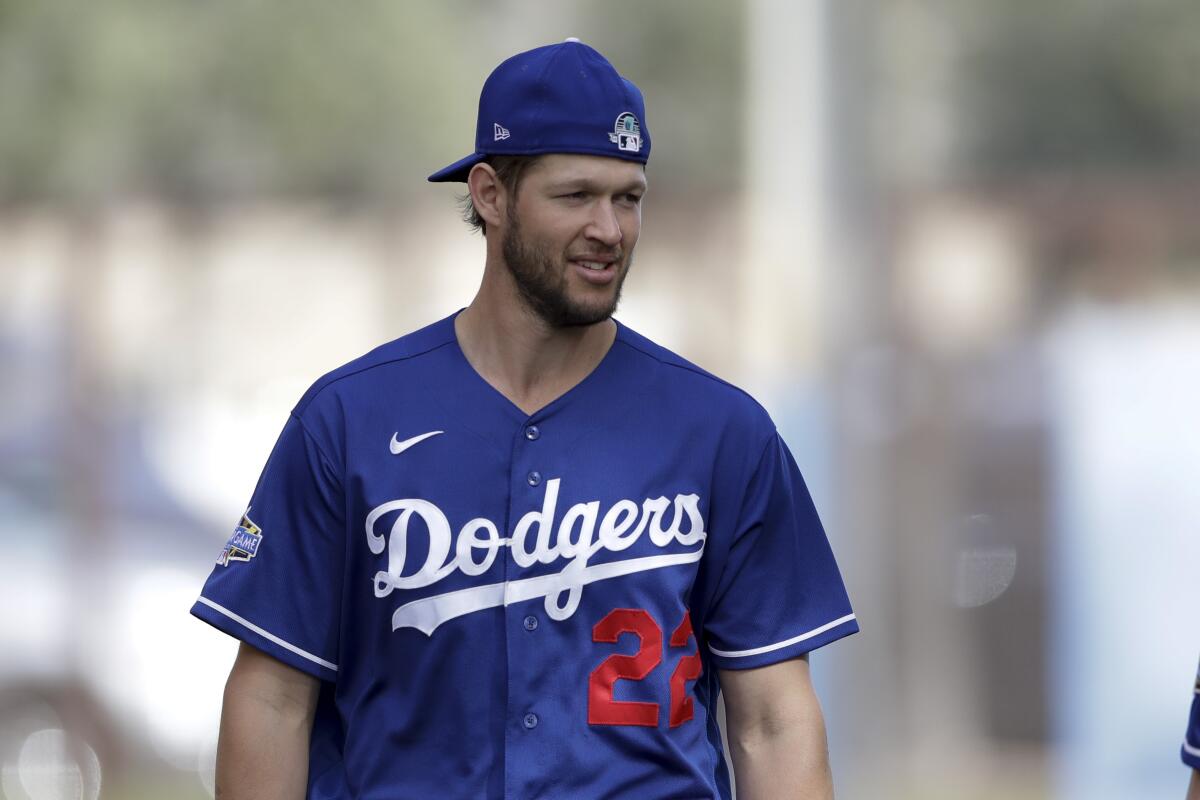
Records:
x=596, y=269
x=594, y=263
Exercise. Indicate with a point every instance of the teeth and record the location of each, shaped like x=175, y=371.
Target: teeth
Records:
x=596, y=265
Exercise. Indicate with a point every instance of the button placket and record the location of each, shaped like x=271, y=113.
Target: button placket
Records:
x=532, y=433
x=527, y=468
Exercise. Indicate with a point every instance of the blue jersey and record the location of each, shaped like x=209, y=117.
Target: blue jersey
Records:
x=504, y=605
x=1191, y=740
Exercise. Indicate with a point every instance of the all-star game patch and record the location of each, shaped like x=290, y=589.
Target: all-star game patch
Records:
x=627, y=133
x=243, y=544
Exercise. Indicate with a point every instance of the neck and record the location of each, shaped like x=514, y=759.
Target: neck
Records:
x=527, y=360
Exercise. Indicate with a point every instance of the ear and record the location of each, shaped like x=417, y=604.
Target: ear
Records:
x=487, y=194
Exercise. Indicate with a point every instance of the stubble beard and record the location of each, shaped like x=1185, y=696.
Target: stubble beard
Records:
x=542, y=284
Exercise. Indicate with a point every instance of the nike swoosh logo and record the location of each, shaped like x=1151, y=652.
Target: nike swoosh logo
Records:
x=398, y=447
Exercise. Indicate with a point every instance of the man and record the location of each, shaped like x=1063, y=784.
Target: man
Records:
x=518, y=553
x=1190, y=751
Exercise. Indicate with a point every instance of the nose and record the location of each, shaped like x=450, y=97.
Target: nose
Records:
x=604, y=226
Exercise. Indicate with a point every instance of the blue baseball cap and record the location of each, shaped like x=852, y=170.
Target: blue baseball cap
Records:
x=561, y=98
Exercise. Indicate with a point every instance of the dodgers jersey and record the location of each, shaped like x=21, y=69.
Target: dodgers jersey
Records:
x=1191, y=740
x=502, y=605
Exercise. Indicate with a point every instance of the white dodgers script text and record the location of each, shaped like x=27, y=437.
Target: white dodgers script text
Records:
x=582, y=532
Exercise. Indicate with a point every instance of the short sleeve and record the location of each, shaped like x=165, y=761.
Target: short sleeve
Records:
x=1191, y=740
x=277, y=582
x=779, y=593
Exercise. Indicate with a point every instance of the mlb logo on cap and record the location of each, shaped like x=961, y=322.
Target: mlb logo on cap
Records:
x=561, y=98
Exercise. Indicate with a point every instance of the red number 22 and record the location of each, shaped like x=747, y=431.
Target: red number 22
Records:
x=602, y=708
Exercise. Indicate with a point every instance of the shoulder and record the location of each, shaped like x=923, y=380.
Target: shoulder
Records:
x=680, y=382
x=366, y=373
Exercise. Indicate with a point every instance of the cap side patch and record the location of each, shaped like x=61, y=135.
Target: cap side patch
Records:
x=627, y=133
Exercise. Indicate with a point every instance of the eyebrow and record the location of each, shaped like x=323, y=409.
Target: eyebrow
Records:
x=594, y=186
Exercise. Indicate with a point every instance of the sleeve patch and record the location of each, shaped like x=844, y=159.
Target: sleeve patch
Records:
x=243, y=544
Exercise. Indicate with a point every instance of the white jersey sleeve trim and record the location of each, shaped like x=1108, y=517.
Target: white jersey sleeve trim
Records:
x=267, y=634
x=780, y=645
x=1192, y=751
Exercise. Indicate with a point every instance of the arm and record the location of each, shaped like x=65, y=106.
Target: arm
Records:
x=776, y=733
x=262, y=751
x=1194, y=787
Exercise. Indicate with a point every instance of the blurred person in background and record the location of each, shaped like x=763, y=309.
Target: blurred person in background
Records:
x=384, y=656
x=1191, y=743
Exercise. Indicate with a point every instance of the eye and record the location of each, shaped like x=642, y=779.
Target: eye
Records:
x=574, y=196
x=632, y=198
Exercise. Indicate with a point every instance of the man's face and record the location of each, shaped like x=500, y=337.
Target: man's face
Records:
x=570, y=234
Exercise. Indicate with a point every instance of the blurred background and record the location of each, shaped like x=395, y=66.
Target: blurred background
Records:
x=954, y=248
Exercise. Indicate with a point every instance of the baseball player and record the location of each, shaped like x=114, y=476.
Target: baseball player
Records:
x=519, y=552
x=1191, y=743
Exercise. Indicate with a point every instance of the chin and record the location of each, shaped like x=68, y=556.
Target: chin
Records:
x=583, y=317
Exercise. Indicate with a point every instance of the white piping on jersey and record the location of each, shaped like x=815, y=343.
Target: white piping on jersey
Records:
x=1192, y=751
x=428, y=613
x=266, y=634
x=780, y=645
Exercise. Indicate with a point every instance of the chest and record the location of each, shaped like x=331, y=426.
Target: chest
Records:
x=453, y=523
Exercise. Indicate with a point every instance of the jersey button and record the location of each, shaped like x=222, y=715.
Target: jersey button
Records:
x=532, y=432
x=531, y=623
x=534, y=478
x=530, y=722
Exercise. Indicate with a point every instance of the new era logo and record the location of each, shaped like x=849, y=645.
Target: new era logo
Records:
x=499, y=131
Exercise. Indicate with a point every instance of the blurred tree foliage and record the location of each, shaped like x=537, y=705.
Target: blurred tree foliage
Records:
x=1079, y=83
x=195, y=101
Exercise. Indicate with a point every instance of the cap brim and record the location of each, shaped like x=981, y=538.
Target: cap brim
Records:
x=457, y=171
